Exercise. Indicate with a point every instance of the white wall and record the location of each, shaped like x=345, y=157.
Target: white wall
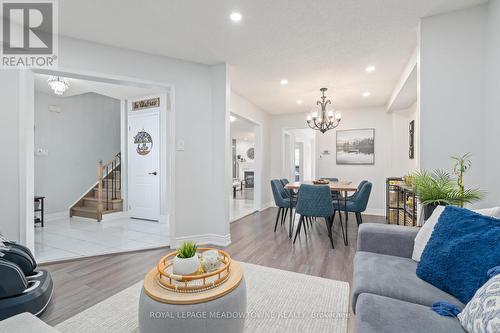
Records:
x=246, y=109
x=220, y=153
x=376, y=118
x=492, y=114
x=9, y=166
x=201, y=97
x=401, y=164
x=459, y=89
x=85, y=131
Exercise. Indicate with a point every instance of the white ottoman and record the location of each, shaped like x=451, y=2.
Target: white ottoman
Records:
x=225, y=314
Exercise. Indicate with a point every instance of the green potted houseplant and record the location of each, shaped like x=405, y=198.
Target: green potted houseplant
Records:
x=186, y=262
x=439, y=188
x=462, y=165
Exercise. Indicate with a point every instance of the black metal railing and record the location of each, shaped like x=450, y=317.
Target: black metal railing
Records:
x=110, y=173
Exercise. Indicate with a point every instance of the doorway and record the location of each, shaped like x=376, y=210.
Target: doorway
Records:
x=299, y=161
x=299, y=154
x=64, y=236
x=244, y=167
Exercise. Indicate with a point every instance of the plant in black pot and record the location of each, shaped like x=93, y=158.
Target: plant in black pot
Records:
x=440, y=188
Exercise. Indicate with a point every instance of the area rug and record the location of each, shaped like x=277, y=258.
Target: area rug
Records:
x=277, y=301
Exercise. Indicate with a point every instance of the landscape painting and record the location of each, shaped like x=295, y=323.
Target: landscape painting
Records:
x=356, y=147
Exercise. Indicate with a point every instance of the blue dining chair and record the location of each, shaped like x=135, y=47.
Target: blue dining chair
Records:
x=282, y=201
x=335, y=194
x=314, y=201
x=358, y=202
x=284, y=182
x=353, y=197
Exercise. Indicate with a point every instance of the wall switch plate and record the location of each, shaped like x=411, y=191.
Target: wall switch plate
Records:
x=180, y=145
x=41, y=152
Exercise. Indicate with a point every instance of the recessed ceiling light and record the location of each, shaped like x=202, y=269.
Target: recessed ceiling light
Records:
x=370, y=68
x=284, y=82
x=235, y=17
x=366, y=94
x=232, y=119
x=299, y=102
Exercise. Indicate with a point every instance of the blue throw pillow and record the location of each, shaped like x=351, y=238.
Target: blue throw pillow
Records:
x=463, y=247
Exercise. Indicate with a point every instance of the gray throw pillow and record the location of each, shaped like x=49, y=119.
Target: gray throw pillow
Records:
x=482, y=313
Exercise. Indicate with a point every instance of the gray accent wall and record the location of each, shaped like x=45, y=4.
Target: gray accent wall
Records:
x=459, y=94
x=85, y=131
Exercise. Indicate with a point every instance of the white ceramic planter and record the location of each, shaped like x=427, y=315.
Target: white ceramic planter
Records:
x=186, y=266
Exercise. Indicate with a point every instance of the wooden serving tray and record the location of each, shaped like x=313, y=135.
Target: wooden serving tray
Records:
x=194, y=282
x=154, y=289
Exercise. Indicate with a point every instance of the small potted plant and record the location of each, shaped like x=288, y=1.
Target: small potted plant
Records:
x=438, y=188
x=186, y=262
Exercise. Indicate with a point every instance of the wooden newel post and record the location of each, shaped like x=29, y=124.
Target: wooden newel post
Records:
x=100, y=204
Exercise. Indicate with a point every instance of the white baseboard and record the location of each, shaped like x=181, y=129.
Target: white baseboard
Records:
x=267, y=205
x=211, y=239
x=374, y=211
x=56, y=216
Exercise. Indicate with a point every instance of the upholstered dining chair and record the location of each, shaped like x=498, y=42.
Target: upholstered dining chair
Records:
x=351, y=197
x=282, y=201
x=284, y=182
x=314, y=201
x=358, y=202
x=336, y=195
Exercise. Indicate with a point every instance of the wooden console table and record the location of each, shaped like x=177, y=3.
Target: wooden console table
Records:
x=401, y=203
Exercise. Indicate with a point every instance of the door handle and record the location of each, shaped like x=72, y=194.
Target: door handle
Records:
x=152, y=173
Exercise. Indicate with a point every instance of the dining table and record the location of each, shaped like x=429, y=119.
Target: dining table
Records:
x=335, y=186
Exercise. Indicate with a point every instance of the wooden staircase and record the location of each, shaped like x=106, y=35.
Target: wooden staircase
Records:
x=105, y=196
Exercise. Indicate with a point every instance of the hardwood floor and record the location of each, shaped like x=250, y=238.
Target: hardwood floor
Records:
x=79, y=284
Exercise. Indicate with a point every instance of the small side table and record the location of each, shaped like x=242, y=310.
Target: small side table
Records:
x=40, y=210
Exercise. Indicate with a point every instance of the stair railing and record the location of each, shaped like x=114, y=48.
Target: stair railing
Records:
x=108, y=172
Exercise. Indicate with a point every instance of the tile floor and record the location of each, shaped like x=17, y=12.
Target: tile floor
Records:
x=242, y=205
x=69, y=238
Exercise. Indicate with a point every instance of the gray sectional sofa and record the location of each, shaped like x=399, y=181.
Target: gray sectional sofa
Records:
x=387, y=295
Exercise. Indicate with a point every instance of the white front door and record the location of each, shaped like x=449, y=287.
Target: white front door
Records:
x=144, y=164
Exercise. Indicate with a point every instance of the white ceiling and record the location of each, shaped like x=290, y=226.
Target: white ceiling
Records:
x=311, y=43
x=79, y=86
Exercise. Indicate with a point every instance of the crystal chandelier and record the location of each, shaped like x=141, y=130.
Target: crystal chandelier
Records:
x=58, y=84
x=326, y=120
